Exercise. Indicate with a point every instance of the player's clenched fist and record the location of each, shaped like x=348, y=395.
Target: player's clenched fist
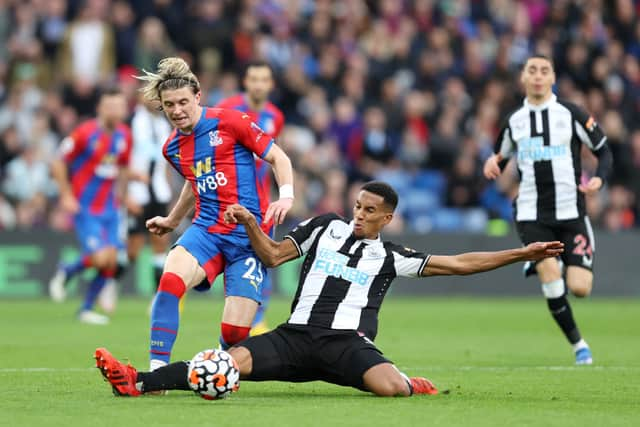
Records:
x=491, y=167
x=237, y=214
x=69, y=203
x=160, y=225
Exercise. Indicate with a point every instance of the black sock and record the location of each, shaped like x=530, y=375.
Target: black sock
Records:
x=561, y=312
x=170, y=377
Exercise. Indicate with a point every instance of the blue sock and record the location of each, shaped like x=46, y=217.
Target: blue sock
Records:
x=165, y=319
x=74, y=268
x=95, y=287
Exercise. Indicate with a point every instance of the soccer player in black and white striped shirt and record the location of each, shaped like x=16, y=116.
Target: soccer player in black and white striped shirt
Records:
x=346, y=273
x=545, y=136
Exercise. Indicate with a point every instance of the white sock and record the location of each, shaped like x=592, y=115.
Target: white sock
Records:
x=579, y=345
x=554, y=289
x=155, y=364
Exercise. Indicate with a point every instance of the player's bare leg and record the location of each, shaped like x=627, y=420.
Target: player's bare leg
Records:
x=386, y=380
x=243, y=358
x=579, y=281
x=553, y=288
x=548, y=270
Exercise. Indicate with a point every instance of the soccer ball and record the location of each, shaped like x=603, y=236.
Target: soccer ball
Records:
x=213, y=374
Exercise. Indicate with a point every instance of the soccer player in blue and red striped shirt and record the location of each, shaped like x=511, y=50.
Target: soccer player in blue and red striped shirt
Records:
x=258, y=83
x=91, y=173
x=213, y=149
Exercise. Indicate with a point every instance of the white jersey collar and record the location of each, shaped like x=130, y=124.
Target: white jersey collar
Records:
x=542, y=106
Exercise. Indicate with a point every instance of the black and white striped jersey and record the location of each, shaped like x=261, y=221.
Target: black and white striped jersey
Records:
x=343, y=279
x=149, y=130
x=546, y=140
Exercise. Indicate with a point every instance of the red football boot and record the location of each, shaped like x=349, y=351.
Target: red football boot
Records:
x=422, y=386
x=121, y=377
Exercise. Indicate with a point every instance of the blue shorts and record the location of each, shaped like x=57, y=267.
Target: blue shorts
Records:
x=95, y=232
x=244, y=273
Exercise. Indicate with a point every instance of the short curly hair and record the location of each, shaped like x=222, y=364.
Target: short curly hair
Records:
x=383, y=189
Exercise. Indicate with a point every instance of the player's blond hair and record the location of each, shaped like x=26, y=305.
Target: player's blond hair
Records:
x=173, y=73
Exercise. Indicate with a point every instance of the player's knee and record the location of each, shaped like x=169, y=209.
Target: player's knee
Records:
x=233, y=334
x=105, y=259
x=581, y=290
x=101, y=262
x=580, y=282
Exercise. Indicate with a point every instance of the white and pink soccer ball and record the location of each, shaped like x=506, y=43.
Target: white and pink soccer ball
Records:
x=213, y=374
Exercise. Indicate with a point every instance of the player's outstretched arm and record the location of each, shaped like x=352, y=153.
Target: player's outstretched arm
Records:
x=165, y=224
x=284, y=176
x=476, y=262
x=270, y=252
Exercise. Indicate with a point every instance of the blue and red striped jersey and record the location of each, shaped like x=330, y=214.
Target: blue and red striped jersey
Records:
x=94, y=158
x=217, y=160
x=271, y=120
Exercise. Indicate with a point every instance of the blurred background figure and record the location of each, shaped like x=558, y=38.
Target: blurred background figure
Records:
x=151, y=197
x=92, y=172
x=547, y=137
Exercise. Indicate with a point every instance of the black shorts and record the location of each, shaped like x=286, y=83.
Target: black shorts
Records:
x=151, y=209
x=576, y=234
x=301, y=353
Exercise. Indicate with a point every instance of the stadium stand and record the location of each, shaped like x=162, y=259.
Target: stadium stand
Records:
x=410, y=92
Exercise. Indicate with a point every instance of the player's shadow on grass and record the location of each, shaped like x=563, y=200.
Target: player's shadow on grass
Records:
x=254, y=397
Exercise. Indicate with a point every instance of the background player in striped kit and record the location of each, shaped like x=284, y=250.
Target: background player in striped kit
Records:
x=258, y=83
x=96, y=154
x=546, y=137
x=213, y=150
x=344, y=278
x=145, y=200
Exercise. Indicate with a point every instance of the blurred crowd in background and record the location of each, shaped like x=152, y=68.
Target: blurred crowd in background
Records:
x=410, y=92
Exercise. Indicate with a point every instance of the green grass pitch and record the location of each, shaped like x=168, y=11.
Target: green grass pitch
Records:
x=496, y=361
